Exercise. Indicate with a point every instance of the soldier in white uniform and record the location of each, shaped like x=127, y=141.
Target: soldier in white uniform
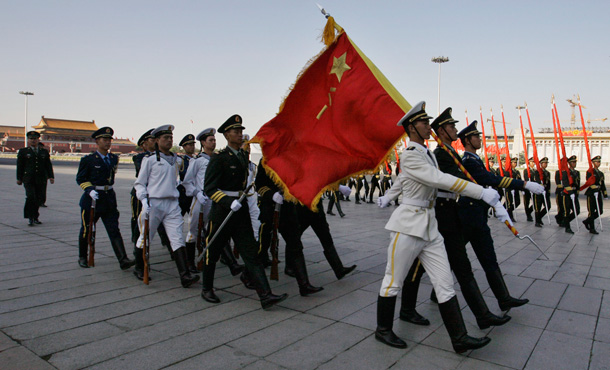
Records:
x=156, y=189
x=414, y=234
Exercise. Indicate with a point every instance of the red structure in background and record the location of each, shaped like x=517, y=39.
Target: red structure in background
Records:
x=61, y=136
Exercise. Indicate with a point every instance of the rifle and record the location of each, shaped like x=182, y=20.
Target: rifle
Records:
x=146, y=245
x=200, y=237
x=275, y=243
x=91, y=236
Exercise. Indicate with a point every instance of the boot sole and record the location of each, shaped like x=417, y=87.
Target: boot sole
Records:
x=398, y=345
x=489, y=324
x=468, y=348
x=186, y=284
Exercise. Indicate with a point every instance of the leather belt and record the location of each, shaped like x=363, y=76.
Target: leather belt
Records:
x=236, y=194
x=418, y=202
x=594, y=186
x=446, y=195
x=103, y=187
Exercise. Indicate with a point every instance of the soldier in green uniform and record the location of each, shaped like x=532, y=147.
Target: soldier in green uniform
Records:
x=33, y=169
x=225, y=181
x=594, y=194
x=571, y=205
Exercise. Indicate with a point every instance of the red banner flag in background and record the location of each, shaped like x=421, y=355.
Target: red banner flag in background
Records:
x=339, y=120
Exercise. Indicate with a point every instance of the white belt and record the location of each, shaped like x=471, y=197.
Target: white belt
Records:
x=446, y=195
x=418, y=202
x=236, y=194
x=103, y=187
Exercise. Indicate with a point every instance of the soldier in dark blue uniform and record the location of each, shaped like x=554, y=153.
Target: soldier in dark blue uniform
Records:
x=33, y=169
x=473, y=215
x=450, y=227
x=594, y=194
x=188, y=144
x=225, y=181
x=96, y=177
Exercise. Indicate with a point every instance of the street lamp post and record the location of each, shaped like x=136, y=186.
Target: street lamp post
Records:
x=25, y=125
x=439, y=60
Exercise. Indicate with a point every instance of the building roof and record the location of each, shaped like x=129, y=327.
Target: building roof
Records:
x=14, y=131
x=65, y=124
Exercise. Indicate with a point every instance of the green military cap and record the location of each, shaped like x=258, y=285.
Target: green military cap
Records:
x=188, y=139
x=572, y=159
x=234, y=121
x=597, y=158
x=33, y=135
x=443, y=119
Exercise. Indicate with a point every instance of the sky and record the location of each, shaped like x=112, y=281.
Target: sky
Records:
x=134, y=65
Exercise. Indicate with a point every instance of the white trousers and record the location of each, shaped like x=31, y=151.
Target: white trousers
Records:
x=193, y=218
x=164, y=211
x=403, y=250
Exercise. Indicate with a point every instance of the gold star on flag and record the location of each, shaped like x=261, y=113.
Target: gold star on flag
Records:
x=339, y=66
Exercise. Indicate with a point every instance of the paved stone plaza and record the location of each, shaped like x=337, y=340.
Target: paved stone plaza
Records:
x=54, y=314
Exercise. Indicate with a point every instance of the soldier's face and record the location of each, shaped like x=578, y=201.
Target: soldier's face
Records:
x=234, y=136
x=189, y=148
x=451, y=131
x=423, y=128
x=103, y=143
x=33, y=141
x=148, y=144
x=475, y=141
x=544, y=165
x=166, y=141
x=572, y=164
x=209, y=144
x=596, y=164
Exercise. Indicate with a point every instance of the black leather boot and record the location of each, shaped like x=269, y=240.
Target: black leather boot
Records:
x=119, y=251
x=592, y=227
x=227, y=258
x=454, y=323
x=335, y=262
x=190, y=258
x=408, y=302
x=207, y=290
x=165, y=240
x=385, y=322
x=186, y=279
x=474, y=298
x=498, y=287
x=300, y=271
x=245, y=279
x=138, y=271
x=83, y=248
x=268, y=299
x=338, y=205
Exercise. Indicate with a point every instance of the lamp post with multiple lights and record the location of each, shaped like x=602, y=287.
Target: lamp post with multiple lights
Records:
x=439, y=60
x=25, y=125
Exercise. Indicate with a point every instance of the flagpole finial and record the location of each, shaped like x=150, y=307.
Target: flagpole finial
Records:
x=578, y=95
x=525, y=105
x=323, y=11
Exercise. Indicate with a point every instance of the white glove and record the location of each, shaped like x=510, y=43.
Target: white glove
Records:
x=145, y=207
x=201, y=198
x=142, y=196
x=383, y=201
x=490, y=196
x=235, y=206
x=534, y=187
x=94, y=195
x=345, y=190
x=502, y=213
x=278, y=198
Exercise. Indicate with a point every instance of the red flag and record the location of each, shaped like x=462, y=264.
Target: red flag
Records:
x=507, y=159
x=535, y=149
x=591, y=180
x=493, y=126
x=484, y=144
x=527, y=163
x=338, y=120
x=564, y=161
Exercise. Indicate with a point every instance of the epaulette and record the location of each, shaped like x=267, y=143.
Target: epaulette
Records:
x=411, y=148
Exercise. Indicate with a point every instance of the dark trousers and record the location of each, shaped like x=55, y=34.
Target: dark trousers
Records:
x=560, y=207
x=529, y=208
x=595, y=206
x=374, y=184
x=110, y=218
x=475, y=230
x=34, y=193
x=571, y=209
x=363, y=183
x=289, y=229
x=317, y=221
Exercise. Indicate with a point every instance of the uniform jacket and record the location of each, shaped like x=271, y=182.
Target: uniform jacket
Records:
x=158, y=178
x=599, y=185
x=225, y=172
x=446, y=162
x=92, y=172
x=32, y=166
x=195, y=176
x=419, y=179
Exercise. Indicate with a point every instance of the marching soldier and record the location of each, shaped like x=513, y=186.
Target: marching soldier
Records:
x=414, y=234
x=146, y=142
x=33, y=169
x=188, y=144
x=529, y=175
x=361, y=181
x=386, y=183
x=571, y=205
x=269, y=196
x=156, y=188
x=225, y=180
x=334, y=201
x=446, y=210
x=594, y=195
x=374, y=184
x=473, y=215
x=95, y=176
x=559, y=195
x=513, y=199
x=542, y=202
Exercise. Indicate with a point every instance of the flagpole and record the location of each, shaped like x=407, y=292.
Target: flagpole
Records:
x=493, y=126
x=507, y=160
x=484, y=142
x=591, y=179
x=529, y=173
x=537, y=161
x=566, y=166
